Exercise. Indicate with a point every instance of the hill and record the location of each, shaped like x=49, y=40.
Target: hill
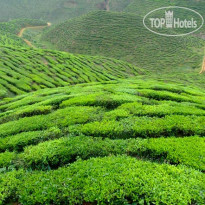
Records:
x=142, y=7
x=117, y=142
x=24, y=69
x=9, y=31
x=54, y=10
x=123, y=36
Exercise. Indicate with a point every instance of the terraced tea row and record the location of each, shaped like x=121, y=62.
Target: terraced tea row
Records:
x=56, y=152
x=25, y=70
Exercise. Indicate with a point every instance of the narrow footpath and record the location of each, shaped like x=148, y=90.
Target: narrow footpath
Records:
x=203, y=67
x=21, y=32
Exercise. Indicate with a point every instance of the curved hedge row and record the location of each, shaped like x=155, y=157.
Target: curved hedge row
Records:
x=52, y=154
x=26, y=70
x=110, y=180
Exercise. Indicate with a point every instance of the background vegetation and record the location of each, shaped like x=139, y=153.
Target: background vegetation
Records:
x=123, y=36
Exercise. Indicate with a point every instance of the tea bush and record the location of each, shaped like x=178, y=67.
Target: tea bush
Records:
x=56, y=153
x=145, y=127
x=19, y=141
x=125, y=37
x=113, y=180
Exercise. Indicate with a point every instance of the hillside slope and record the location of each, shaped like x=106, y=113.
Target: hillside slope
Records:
x=9, y=31
x=54, y=10
x=124, y=37
x=126, y=141
x=142, y=7
x=24, y=69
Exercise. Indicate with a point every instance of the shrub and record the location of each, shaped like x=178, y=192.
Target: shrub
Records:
x=6, y=159
x=145, y=127
x=53, y=154
x=19, y=141
x=59, y=118
x=109, y=180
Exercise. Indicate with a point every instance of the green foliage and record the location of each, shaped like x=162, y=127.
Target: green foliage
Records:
x=6, y=159
x=14, y=26
x=49, y=125
x=145, y=127
x=60, y=118
x=53, y=10
x=9, y=186
x=108, y=112
x=112, y=110
x=59, y=112
x=19, y=141
x=43, y=130
x=25, y=70
x=123, y=36
x=9, y=31
x=160, y=110
x=113, y=180
x=189, y=151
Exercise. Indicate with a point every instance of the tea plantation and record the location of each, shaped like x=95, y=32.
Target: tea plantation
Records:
x=136, y=141
x=123, y=36
x=9, y=31
x=119, y=122
x=54, y=11
x=25, y=70
x=142, y=7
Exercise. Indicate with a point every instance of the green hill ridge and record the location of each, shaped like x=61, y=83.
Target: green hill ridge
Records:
x=123, y=36
x=54, y=11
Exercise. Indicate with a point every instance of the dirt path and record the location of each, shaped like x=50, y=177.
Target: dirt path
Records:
x=21, y=32
x=107, y=6
x=203, y=66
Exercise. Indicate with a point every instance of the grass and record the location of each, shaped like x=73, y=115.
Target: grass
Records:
x=123, y=36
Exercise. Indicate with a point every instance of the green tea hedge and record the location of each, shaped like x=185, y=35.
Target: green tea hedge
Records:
x=110, y=180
